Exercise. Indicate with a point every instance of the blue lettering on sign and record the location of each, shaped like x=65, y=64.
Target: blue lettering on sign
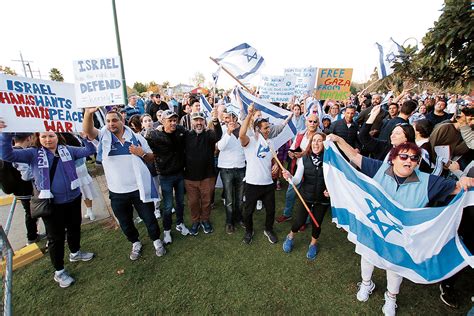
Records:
x=100, y=85
x=92, y=64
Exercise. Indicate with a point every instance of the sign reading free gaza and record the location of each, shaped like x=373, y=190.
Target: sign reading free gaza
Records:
x=32, y=105
x=98, y=82
x=333, y=83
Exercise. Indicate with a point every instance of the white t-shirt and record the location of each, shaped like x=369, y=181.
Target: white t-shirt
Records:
x=118, y=168
x=259, y=161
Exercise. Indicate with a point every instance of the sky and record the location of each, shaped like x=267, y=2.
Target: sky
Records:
x=172, y=40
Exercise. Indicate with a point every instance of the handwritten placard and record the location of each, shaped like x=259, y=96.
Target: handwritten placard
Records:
x=277, y=88
x=98, y=82
x=305, y=78
x=333, y=83
x=32, y=105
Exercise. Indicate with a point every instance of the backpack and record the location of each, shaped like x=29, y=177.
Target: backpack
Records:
x=11, y=182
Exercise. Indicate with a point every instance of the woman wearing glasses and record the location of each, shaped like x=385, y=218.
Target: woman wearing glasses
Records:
x=403, y=182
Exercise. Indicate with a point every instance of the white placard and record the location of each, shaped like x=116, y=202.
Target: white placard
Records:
x=33, y=105
x=98, y=82
x=277, y=88
x=305, y=78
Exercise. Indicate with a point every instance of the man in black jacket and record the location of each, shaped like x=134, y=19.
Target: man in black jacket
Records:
x=346, y=128
x=155, y=106
x=200, y=173
x=168, y=147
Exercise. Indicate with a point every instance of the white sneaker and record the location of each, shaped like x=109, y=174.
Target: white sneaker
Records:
x=365, y=291
x=136, y=251
x=81, y=256
x=167, y=237
x=90, y=215
x=173, y=210
x=259, y=205
x=183, y=229
x=390, y=305
x=160, y=249
x=157, y=214
x=64, y=279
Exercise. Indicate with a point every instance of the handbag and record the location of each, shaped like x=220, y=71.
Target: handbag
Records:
x=43, y=207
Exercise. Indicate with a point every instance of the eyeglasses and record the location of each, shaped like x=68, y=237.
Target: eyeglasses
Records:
x=310, y=121
x=413, y=158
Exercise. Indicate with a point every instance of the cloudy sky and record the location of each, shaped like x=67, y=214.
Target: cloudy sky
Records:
x=172, y=40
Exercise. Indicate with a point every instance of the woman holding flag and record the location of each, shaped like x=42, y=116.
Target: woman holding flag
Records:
x=313, y=189
x=404, y=183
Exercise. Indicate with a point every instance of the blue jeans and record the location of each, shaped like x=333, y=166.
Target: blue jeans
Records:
x=168, y=184
x=122, y=205
x=233, y=181
x=290, y=200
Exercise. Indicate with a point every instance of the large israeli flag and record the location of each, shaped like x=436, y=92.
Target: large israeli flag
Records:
x=388, y=54
x=275, y=114
x=420, y=244
x=242, y=61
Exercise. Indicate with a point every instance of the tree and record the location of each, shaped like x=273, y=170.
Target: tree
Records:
x=198, y=79
x=154, y=87
x=446, y=58
x=7, y=71
x=140, y=87
x=56, y=75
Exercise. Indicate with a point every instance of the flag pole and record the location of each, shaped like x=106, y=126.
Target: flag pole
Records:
x=230, y=74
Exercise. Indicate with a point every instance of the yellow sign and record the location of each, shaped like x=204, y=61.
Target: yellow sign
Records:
x=333, y=83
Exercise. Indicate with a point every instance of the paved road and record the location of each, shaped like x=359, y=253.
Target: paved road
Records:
x=17, y=234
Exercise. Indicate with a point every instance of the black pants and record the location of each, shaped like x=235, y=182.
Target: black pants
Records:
x=317, y=209
x=265, y=193
x=65, y=221
x=30, y=223
x=122, y=205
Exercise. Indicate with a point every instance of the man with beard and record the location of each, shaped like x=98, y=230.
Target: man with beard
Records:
x=199, y=175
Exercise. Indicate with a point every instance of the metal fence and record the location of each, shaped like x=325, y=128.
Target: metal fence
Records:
x=7, y=256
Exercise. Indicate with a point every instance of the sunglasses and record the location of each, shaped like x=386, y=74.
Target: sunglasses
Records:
x=310, y=121
x=413, y=158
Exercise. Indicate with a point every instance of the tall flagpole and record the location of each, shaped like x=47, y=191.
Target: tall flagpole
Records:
x=119, y=48
x=230, y=74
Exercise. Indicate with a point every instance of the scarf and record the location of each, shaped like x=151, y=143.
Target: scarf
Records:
x=145, y=183
x=44, y=183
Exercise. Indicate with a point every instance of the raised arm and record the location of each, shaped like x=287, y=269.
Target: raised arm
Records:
x=88, y=123
x=244, y=139
x=347, y=149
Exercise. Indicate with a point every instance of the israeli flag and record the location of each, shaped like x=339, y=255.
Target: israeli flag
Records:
x=275, y=114
x=420, y=244
x=215, y=76
x=388, y=54
x=242, y=61
x=206, y=108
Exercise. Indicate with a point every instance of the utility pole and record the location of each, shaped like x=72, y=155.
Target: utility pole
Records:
x=24, y=63
x=119, y=48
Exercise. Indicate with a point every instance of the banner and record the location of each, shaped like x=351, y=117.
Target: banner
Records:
x=33, y=105
x=305, y=78
x=333, y=83
x=277, y=88
x=98, y=82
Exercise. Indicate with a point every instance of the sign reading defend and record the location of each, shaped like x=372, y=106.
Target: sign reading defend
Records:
x=98, y=82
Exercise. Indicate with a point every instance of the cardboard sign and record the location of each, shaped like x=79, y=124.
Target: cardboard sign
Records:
x=32, y=105
x=277, y=88
x=305, y=78
x=333, y=83
x=98, y=82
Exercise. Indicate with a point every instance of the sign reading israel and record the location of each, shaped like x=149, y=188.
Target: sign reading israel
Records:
x=98, y=82
x=32, y=105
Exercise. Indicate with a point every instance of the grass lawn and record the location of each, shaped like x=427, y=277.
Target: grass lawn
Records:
x=218, y=274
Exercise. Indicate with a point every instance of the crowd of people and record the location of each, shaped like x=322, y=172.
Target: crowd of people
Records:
x=411, y=144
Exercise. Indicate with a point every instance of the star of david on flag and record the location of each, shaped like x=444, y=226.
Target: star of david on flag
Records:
x=243, y=61
x=388, y=54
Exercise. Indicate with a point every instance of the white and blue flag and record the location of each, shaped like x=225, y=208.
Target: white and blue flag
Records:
x=215, y=76
x=419, y=244
x=206, y=108
x=273, y=113
x=388, y=54
x=242, y=61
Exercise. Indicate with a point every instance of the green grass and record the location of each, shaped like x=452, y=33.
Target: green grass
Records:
x=218, y=274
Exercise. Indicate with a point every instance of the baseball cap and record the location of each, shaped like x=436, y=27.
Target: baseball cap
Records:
x=197, y=115
x=168, y=114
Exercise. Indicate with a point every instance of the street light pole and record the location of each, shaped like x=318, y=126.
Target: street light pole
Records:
x=119, y=48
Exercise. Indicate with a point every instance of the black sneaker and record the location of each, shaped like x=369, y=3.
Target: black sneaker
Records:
x=448, y=296
x=272, y=238
x=207, y=227
x=248, y=237
x=194, y=229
